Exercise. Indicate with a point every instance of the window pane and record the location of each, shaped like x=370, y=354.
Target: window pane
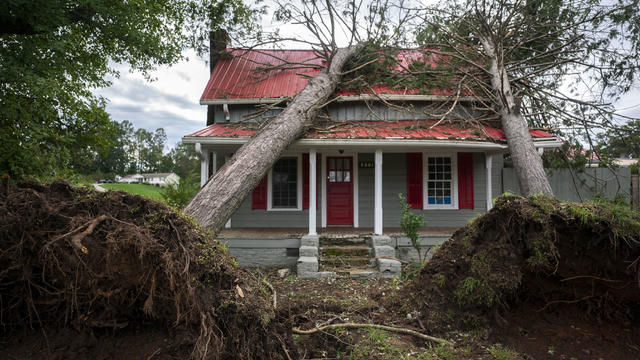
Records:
x=439, y=180
x=332, y=164
x=347, y=176
x=339, y=176
x=339, y=164
x=284, y=183
x=347, y=164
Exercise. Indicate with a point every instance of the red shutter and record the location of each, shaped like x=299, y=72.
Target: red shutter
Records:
x=259, y=196
x=305, y=180
x=465, y=180
x=414, y=180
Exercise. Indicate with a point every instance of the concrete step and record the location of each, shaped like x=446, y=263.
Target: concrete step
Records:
x=345, y=250
x=343, y=241
x=346, y=261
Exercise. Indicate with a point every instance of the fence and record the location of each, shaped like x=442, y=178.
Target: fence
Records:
x=570, y=185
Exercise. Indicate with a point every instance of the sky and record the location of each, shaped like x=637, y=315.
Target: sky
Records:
x=171, y=101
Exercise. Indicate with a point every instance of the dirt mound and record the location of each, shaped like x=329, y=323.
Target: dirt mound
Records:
x=534, y=256
x=75, y=258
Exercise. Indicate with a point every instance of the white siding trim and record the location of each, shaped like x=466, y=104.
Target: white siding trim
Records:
x=354, y=180
x=204, y=165
x=488, y=158
x=228, y=224
x=323, y=188
x=312, y=192
x=378, y=194
x=454, y=182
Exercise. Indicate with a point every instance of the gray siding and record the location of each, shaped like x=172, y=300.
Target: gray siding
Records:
x=573, y=186
x=353, y=111
x=393, y=182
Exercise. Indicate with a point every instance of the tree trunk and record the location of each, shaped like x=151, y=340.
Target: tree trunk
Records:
x=526, y=160
x=225, y=191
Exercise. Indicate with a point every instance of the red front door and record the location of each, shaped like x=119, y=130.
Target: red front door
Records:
x=339, y=191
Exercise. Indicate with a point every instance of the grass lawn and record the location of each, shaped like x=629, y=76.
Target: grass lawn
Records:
x=149, y=191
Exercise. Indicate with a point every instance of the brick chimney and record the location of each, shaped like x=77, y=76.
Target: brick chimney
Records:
x=218, y=41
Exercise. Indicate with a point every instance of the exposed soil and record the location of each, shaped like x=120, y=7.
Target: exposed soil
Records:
x=551, y=279
x=77, y=263
x=115, y=276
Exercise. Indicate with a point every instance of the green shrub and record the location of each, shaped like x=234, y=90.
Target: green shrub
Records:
x=410, y=222
x=179, y=196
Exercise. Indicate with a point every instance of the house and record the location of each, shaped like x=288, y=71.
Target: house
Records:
x=345, y=177
x=161, y=179
x=131, y=179
x=157, y=179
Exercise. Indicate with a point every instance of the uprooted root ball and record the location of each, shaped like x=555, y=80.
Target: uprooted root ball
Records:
x=539, y=251
x=71, y=257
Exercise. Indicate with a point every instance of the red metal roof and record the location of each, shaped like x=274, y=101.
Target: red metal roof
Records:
x=405, y=129
x=243, y=74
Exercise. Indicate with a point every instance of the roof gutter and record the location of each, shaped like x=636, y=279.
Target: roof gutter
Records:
x=346, y=98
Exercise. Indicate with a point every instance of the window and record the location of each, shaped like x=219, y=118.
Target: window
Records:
x=440, y=182
x=285, y=184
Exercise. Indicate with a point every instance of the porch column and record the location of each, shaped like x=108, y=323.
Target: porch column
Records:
x=228, y=224
x=488, y=159
x=204, y=165
x=377, y=228
x=312, y=192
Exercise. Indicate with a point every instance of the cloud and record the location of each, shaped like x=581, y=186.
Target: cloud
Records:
x=170, y=102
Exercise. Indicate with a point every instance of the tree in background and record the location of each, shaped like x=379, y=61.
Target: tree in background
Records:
x=623, y=141
x=54, y=52
x=541, y=63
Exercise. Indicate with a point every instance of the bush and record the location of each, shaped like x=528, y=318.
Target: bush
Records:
x=410, y=222
x=179, y=196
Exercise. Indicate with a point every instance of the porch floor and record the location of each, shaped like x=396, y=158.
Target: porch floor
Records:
x=283, y=233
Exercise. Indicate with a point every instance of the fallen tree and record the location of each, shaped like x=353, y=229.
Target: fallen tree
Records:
x=323, y=22
x=224, y=193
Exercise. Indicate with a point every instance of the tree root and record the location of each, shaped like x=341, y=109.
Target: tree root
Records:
x=273, y=291
x=76, y=240
x=381, y=327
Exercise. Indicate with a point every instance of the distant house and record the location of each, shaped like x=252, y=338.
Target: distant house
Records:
x=161, y=179
x=157, y=179
x=131, y=179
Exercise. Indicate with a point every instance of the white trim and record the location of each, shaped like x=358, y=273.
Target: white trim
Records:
x=344, y=98
x=204, y=166
x=377, y=229
x=454, y=182
x=298, y=207
x=312, y=192
x=354, y=180
x=323, y=188
x=228, y=224
x=488, y=162
x=462, y=144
